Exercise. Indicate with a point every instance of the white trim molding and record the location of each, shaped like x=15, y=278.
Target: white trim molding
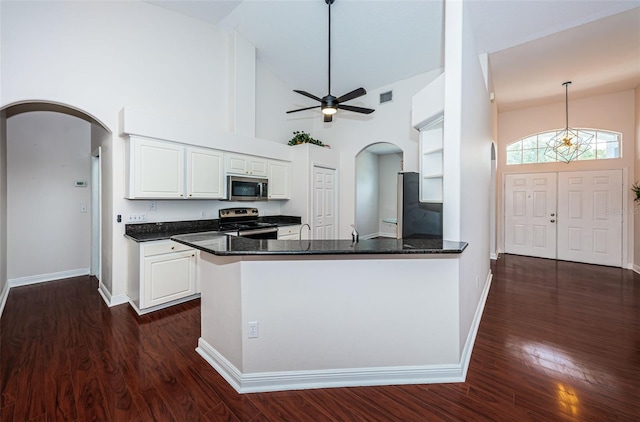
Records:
x=636, y=268
x=350, y=377
x=3, y=297
x=109, y=300
x=475, y=324
x=40, y=278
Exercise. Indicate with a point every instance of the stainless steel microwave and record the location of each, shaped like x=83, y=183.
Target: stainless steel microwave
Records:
x=242, y=188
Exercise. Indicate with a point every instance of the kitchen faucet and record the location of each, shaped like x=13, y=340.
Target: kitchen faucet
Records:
x=308, y=226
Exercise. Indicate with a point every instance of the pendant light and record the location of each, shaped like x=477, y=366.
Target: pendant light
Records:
x=568, y=144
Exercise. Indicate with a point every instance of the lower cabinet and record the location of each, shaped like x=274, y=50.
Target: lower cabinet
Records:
x=161, y=273
x=289, y=232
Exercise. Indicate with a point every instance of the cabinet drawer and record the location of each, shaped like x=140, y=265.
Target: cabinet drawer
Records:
x=165, y=246
x=288, y=230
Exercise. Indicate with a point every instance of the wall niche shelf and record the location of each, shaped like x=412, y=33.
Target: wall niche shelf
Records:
x=431, y=168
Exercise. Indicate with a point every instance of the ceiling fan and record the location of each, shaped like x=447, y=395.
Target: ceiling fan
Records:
x=330, y=104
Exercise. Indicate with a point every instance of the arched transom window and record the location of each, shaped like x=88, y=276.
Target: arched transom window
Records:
x=531, y=149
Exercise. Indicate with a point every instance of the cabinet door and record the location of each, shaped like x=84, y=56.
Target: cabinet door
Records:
x=246, y=164
x=205, y=178
x=279, y=180
x=158, y=169
x=258, y=167
x=169, y=277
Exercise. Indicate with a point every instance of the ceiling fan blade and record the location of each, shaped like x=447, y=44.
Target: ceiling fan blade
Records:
x=356, y=109
x=302, y=109
x=328, y=118
x=306, y=94
x=351, y=95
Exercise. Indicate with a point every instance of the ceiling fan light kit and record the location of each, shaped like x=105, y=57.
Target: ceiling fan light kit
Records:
x=330, y=104
x=569, y=143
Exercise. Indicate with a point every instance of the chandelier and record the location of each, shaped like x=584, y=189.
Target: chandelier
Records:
x=568, y=144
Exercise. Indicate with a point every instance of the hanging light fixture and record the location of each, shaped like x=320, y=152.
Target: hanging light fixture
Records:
x=568, y=144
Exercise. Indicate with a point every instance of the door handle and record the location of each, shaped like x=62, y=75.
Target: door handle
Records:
x=553, y=221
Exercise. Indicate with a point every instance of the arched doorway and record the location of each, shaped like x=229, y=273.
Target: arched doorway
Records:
x=377, y=167
x=50, y=198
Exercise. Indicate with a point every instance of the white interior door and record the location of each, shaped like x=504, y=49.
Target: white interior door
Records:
x=590, y=229
x=324, y=203
x=530, y=211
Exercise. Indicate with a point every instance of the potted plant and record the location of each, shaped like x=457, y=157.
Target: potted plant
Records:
x=636, y=189
x=300, y=137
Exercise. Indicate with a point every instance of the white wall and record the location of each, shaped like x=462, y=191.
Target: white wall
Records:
x=389, y=166
x=614, y=112
x=47, y=232
x=367, y=196
x=3, y=209
x=636, y=206
x=475, y=179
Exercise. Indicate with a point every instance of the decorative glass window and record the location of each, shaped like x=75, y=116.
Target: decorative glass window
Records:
x=531, y=149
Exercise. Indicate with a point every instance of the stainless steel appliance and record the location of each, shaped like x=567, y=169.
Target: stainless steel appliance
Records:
x=241, y=188
x=416, y=220
x=244, y=222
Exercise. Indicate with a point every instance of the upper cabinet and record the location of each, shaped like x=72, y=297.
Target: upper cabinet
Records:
x=279, y=179
x=158, y=169
x=205, y=178
x=165, y=170
x=154, y=169
x=247, y=165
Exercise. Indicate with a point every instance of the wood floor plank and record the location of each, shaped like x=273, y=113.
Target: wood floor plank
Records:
x=558, y=341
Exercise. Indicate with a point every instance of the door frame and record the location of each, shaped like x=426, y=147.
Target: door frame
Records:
x=625, y=207
x=96, y=213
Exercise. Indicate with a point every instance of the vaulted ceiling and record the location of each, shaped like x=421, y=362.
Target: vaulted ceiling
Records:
x=534, y=46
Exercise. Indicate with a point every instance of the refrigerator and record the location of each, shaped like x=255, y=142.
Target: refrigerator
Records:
x=416, y=220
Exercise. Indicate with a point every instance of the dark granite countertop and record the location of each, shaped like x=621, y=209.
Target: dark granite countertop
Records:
x=146, y=232
x=219, y=244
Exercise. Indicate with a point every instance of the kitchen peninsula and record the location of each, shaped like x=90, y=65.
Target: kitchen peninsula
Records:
x=293, y=314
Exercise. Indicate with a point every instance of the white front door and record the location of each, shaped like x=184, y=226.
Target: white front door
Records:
x=590, y=217
x=324, y=203
x=530, y=208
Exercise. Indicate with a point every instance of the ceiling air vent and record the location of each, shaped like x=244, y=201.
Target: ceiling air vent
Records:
x=385, y=97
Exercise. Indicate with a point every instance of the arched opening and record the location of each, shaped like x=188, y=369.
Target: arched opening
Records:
x=377, y=167
x=51, y=195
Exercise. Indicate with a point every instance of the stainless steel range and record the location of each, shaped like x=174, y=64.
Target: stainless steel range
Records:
x=244, y=222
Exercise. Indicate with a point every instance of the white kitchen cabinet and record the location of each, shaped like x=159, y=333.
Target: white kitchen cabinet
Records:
x=247, y=165
x=154, y=169
x=289, y=232
x=160, y=274
x=165, y=170
x=205, y=178
x=279, y=179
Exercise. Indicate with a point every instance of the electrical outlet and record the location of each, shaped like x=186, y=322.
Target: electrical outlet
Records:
x=477, y=281
x=203, y=214
x=153, y=206
x=137, y=218
x=253, y=329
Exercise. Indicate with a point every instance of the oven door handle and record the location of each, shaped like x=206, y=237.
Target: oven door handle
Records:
x=257, y=231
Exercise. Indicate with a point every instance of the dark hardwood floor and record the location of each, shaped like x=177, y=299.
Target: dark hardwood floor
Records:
x=557, y=341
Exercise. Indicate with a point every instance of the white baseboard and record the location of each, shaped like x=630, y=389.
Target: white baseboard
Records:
x=473, y=331
x=164, y=305
x=40, y=278
x=3, y=297
x=494, y=256
x=636, y=268
x=109, y=299
x=348, y=377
